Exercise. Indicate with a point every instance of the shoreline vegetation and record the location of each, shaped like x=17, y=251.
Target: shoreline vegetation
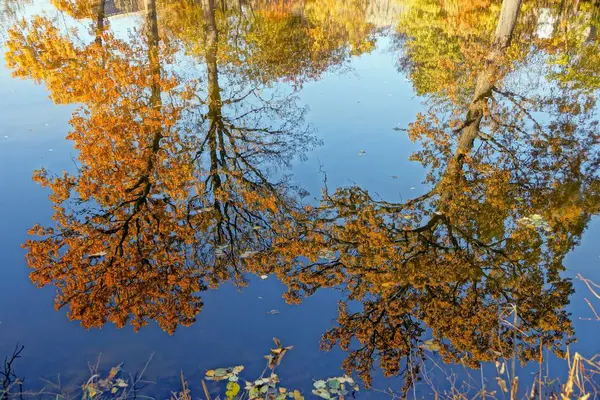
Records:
x=230, y=384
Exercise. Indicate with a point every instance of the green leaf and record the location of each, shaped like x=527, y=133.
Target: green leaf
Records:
x=334, y=384
x=220, y=372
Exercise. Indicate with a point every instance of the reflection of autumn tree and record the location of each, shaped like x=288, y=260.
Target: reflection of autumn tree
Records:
x=272, y=41
x=511, y=195
x=159, y=209
x=94, y=9
x=119, y=235
x=309, y=37
x=442, y=43
x=70, y=68
x=9, y=13
x=573, y=44
x=246, y=131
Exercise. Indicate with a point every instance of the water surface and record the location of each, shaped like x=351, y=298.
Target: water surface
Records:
x=402, y=178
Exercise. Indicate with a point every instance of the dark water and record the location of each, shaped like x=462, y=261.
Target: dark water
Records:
x=396, y=160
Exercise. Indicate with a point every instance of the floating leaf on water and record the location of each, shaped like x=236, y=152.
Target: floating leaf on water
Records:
x=431, y=345
x=297, y=395
x=535, y=221
x=362, y=153
x=254, y=393
x=237, y=369
x=328, y=254
x=413, y=188
x=247, y=254
x=232, y=390
x=220, y=372
x=320, y=384
x=334, y=384
x=98, y=254
x=210, y=374
x=264, y=277
x=273, y=312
